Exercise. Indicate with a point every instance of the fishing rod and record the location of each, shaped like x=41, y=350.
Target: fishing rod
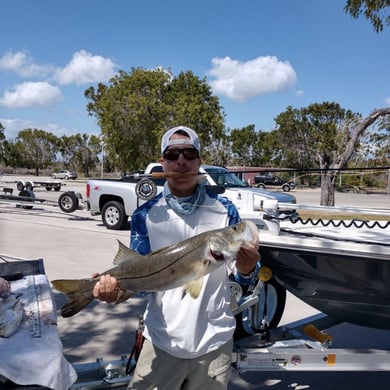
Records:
x=164, y=175
x=318, y=170
x=146, y=188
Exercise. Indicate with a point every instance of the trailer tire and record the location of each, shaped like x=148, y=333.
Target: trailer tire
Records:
x=27, y=194
x=48, y=188
x=57, y=188
x=68, y=202
x=114, y=216
x=20, y=186
x=29, y=185
x=276, y=302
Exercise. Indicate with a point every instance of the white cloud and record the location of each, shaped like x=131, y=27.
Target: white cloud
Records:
x=85, y=68
x=13, y=126
x=241, y=81
x=22, y=64
x=300, y=92
x=30, y=94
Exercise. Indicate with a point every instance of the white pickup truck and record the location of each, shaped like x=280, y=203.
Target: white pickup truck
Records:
x=116, y=199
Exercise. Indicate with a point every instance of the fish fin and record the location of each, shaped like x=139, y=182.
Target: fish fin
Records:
x=193, y=288
x=78, y=293
x=123, y=253
x=124, y=296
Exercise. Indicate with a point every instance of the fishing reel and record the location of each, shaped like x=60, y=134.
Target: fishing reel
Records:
x=146, y=189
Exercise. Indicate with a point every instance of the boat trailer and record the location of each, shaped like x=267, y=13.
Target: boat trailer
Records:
x=68, y=201
x=305, y=346
x=31, y=184
x=286, y=348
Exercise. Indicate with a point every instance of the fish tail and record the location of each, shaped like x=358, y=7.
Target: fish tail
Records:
x=78, y=293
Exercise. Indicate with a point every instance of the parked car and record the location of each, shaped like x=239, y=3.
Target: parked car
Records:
x=64, y=174
x=269, y=180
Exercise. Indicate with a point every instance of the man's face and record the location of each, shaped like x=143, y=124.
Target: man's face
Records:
x=181, y=186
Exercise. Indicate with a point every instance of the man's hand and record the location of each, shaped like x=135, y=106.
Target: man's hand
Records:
x=4, y=286
x=106, y=289
x=248, y=257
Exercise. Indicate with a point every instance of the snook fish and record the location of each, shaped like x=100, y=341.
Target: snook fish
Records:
x=181, y=264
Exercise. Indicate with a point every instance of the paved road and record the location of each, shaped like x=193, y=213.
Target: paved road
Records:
x=74, y=245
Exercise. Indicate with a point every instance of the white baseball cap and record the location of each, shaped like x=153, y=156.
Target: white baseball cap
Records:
x=193, y=138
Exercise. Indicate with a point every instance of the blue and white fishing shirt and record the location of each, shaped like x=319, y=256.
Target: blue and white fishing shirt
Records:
x=183, y=326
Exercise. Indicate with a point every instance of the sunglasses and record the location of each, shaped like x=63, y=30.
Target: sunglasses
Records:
x=173, y=154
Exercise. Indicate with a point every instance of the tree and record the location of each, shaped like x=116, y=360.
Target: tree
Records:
x=324, y=136
x=136, y=108
x=80, y=152
x=190, y=102
x=35, y=149
x=2, y=143
x=373, y=10
x=130, y=111
x=8, y=150
x=243, y=141
x=2, y=136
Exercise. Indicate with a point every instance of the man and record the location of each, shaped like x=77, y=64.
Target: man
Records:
x=188, y=342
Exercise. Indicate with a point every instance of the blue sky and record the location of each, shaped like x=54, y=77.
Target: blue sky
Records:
x=259, y=56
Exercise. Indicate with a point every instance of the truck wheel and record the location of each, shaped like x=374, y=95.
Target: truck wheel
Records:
x=286, y=188
x=276, y=302
x=261, y=185
x=57, y=188
x=114, y=216
x=68, y=202
x=48, y=188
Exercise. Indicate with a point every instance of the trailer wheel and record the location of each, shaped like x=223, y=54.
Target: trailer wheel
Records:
x=48, y=188
x=276, y=301
x=68, y=202
x=57, y=188
x=20, y=186
x=27, y=194
x=114, y=216
x=29, y=185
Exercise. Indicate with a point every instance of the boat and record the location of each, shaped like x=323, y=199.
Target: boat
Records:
x=340, y=268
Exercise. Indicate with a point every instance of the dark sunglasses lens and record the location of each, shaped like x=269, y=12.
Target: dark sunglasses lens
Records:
x=173, y=154
x=190, y=154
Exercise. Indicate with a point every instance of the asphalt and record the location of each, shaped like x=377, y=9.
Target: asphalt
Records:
x=75, y=245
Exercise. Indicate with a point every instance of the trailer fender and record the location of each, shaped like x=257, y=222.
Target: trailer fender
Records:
x=29, y=195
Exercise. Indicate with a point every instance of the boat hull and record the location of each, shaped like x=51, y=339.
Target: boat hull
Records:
x=350, y=285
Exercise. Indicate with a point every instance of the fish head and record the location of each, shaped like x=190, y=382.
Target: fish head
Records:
x=226, y=242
